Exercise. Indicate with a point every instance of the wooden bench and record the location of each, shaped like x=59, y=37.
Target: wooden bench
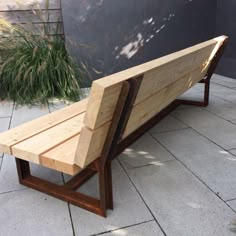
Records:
x=83, y=138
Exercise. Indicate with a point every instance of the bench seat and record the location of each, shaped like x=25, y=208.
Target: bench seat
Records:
x=50, y=140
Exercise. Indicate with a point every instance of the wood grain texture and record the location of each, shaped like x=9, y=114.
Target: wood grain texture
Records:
x=157, y=74
x=146, y=67
x=90, y=144
x=144, y=111
x=164, y=80
x=101, y=104
x=168, y=73
x=31, y=149
x=61, y=158
x=27, y=130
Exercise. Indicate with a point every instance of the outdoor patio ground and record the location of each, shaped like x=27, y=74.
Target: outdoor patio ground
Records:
x=179, y=179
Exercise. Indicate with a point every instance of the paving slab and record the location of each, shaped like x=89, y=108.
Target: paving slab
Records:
x=28, y=212
x=23, y=114
x=196, y=96
x=218, y=106
x=196, y=88
x=209, y=162
x=222, y=108
x=167, y=124
x=215, y=128
x=56, y=105
x=148, y=229
x=129, y=208
x=180, y=202
x=232, y=204
x=224, y=81
x=222, y=92
x=4, y=124
x=145, y=151
x=9, y=178
x=233, y=121
x=6, y=108
x=233, y=151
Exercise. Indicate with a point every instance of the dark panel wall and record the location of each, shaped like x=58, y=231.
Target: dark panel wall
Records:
x=226, y=24
x=124, y=33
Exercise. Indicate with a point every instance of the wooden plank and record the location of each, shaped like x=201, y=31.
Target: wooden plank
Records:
x=182, y=85
x=27, y=130
x=101, y=104
x=27, y=4
x=141, y=69
x=105, y=91
x=144, y=111
x=176, y=70
x=29, y=16
x=31, y=149
x=61, y=158
x=166, y=74
x=90, y=145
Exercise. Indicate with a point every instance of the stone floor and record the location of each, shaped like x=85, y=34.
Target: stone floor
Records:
x=178, y=179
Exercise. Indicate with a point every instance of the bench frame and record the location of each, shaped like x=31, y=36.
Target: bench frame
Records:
x=114, y=145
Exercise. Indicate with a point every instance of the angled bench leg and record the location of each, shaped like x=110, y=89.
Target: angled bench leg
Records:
x=102, y=166
x=67, y=192
x=109, y=186
x=205, y=101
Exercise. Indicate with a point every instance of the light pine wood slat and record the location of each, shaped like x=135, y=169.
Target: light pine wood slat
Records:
x=145, y=110
x=144, y=68
x=182, y=85
x=96, y=114
x=162, y=76
x=61, y=158
x=105, y=92
x=31, y=149
x=90, y=144
x=27, y=130
x=101, y=104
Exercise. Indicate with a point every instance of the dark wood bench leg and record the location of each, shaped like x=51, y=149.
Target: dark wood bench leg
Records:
x=68, y=192
x=23, y=169
x=205, y=101
x=109, y=191
x=103, y=190
x=208, y=76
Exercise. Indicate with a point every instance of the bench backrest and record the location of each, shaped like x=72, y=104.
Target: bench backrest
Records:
x=163, y=80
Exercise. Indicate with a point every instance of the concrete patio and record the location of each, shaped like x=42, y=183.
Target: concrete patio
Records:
x=179, y=179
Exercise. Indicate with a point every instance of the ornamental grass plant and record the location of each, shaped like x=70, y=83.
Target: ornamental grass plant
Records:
x=36, y=66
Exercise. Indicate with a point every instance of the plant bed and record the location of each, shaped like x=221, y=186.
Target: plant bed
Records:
x=37, y=66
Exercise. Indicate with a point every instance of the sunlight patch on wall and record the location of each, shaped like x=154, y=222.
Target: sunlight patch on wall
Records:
x=131, y=48
x=149, y=30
